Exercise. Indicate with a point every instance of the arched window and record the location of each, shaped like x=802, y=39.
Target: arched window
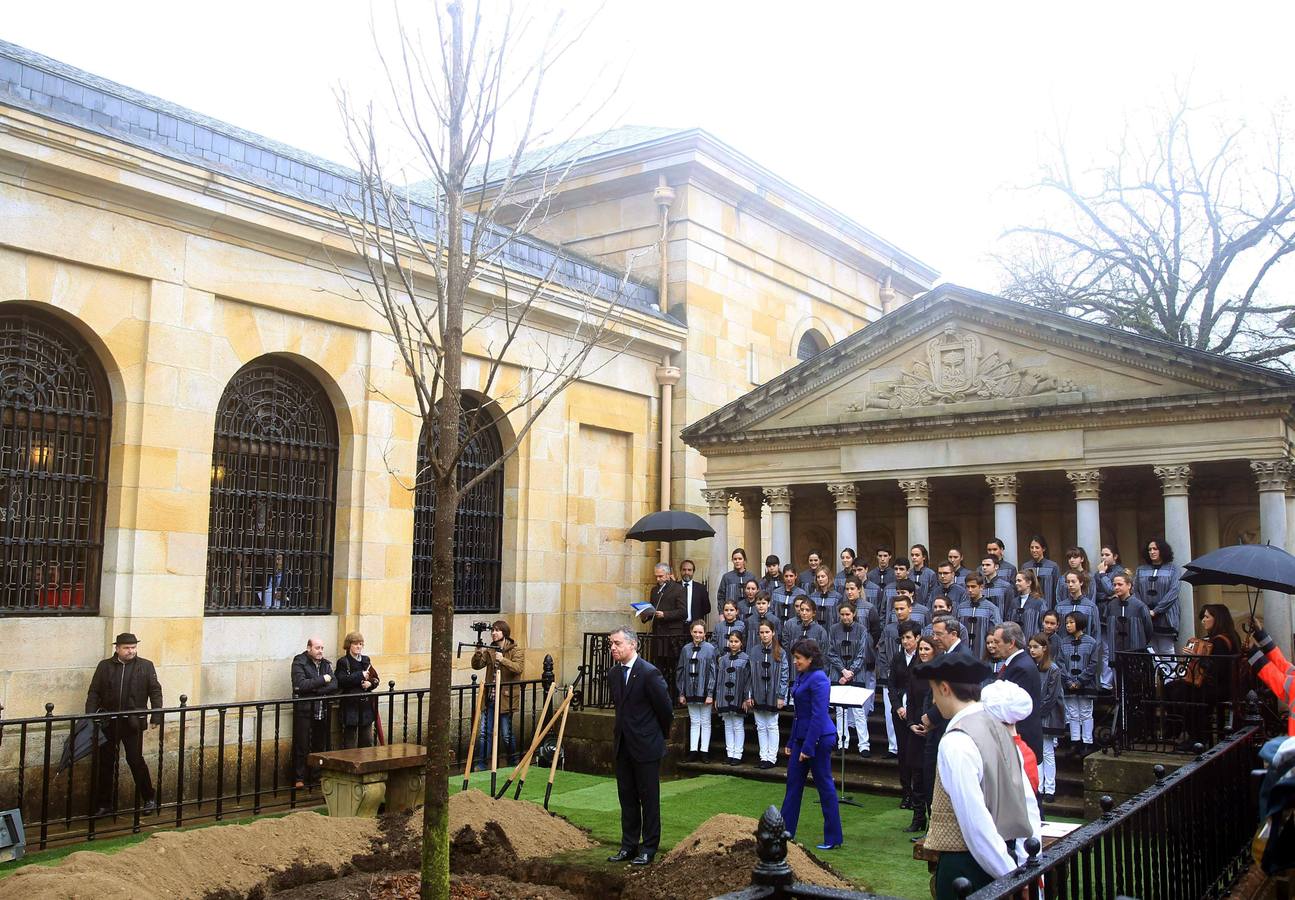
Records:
x=273, y=494
x=811, y=344
x=55, y=431
x=478, y=524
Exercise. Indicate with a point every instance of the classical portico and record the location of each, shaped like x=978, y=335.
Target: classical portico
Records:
x=963, y=416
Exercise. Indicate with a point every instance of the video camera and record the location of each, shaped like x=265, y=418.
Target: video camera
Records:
x=480, y=628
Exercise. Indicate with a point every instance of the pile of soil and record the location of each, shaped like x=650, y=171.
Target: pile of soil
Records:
x=717, y=858
x=273, y=855
x=228, y=860
x=404, y=886
x=489, y=835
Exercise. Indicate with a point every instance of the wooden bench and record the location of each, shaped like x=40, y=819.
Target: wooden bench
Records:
x=356, y=782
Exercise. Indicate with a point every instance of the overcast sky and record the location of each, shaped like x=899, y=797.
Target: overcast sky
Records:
x=919, y=120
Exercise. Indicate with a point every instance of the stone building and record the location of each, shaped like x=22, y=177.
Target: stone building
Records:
x=204, y=436
x=963, y=416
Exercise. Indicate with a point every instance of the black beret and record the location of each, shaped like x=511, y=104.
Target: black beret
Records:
x=962, y=668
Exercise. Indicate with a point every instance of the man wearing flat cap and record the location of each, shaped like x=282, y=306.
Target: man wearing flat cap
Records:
x=983, y=809
x=124, y=682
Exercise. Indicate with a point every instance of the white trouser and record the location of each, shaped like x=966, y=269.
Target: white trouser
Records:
x=1048, y=765
x=698, y=727
x=847, y=719
x=734, y=736
x=1079, y=716
x=766, y=732
x=891, y=744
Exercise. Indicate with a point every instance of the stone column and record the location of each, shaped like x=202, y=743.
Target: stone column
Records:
x=845, y=494
x=1088, y=521
x=752, y=500
x=917, y=494
x=1174, y=481
x=1273, y=477
x=779, y=500
x=1290, y=516
x=1004, y=488
x=717, y=500
x=1206, y=521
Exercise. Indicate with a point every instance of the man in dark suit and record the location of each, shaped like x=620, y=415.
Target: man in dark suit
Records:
x=668, y=598
x=696, y=597
x=643, y=718
x=1021, y=670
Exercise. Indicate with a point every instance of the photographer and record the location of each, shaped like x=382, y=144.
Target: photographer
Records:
x=502, y=654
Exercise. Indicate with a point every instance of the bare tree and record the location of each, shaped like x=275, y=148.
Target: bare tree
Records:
x=1177, y=238
x=437, y=269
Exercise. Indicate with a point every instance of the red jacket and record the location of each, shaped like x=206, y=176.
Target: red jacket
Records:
x=1274, y=670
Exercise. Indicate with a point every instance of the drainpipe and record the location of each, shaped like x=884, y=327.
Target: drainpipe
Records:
x=667, y=376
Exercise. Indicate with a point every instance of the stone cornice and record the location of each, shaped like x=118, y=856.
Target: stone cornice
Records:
x=921, y=318
x=1151, y=411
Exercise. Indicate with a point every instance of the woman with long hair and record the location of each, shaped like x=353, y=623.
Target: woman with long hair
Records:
x=810, y=746
x=769, y=679
x=1028, y=608
x=1108, y=566
x=1156, y=585
x=1077, y=561
x=1206, y=679
x=930, y=721
x=1052, y=708
x=503, y=654
x=1047, y=572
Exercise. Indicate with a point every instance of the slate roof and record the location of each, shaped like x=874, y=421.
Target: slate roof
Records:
x=47, y=87
x=921, y=315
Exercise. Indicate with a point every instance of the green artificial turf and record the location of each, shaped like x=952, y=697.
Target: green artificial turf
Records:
x=877, y=855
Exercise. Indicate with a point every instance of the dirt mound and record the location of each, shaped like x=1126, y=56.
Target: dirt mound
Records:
x=488, y=835
x=718, y=858
x=228, y=860
x=272, y=855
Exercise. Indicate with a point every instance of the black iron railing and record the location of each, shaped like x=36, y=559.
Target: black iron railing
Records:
x=1187, y=835
x=1171, y=702
x=596, y=661
x=207, y=762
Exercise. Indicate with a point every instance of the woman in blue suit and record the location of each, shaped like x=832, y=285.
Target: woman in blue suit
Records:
x=813, y=737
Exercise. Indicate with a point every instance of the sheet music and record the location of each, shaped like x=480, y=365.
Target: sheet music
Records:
x=849, y=695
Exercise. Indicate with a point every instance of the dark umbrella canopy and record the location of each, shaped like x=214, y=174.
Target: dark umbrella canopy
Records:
x=80, y=742
x=1260, y=566
x=670, y=525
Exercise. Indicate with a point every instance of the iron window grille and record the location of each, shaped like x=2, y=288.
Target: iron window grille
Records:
x=478, y=522
x=55, y=432
x=273, y=494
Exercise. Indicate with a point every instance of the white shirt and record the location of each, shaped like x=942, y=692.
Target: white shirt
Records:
x=908, y=661
x=1009, y=659
x=962, y=772
x=630, y=665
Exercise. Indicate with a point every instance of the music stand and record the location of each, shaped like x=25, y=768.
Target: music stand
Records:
x=848, y=696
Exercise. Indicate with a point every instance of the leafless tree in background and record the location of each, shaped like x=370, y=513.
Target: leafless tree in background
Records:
x=1179, y=237
x=437, y=280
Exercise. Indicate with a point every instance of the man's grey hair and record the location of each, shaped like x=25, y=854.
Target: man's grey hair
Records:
x=1011, y=633
x=662, y=567
x=949, y=622
x=627, y=632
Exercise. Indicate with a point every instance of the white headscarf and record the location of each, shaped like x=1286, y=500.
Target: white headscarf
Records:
x=1006, y=702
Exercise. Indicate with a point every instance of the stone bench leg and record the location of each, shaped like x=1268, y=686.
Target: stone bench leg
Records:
x=354, y=795
x=405, y=790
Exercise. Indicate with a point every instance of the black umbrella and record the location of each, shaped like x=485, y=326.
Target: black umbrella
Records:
x=670, y=525
x=80, y=743
x=1260, y=566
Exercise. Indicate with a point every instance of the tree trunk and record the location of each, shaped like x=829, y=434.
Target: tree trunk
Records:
x=435, y=881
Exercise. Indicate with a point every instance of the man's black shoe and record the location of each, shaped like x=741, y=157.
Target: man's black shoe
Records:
x=890, y=754
x=641, y=860
x=621, y=856
x=866, y=753
x=148, y=807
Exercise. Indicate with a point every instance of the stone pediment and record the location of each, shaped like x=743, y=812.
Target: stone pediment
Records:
x=956, y=352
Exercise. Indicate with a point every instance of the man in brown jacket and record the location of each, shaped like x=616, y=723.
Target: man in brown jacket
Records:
x=502, y=654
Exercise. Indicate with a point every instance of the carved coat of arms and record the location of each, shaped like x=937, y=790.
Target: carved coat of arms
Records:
x=955, y=370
